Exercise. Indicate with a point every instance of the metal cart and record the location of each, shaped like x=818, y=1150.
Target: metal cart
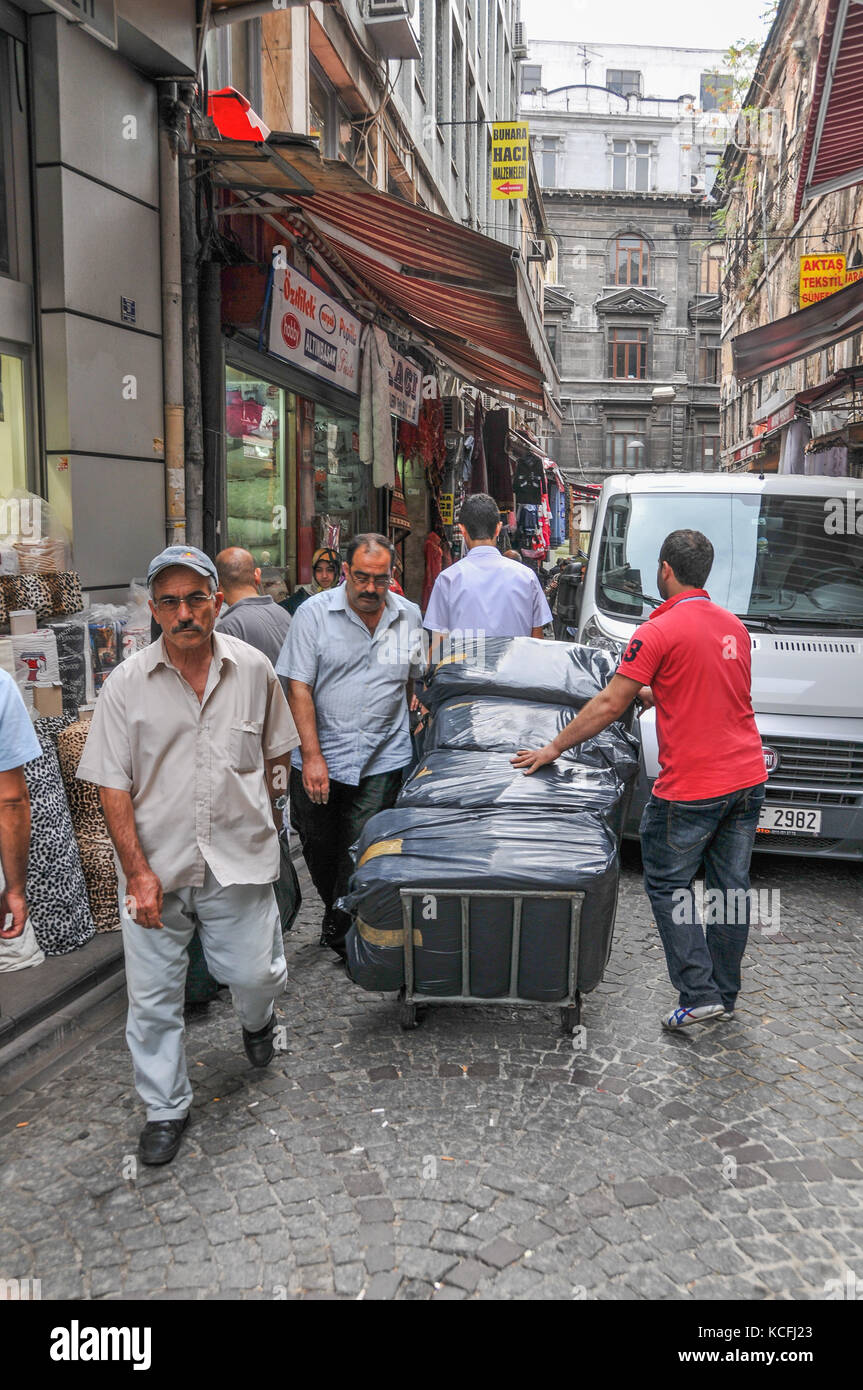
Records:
x=410, y=1003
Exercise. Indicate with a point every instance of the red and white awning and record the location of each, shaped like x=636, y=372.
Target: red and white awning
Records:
x=833, y=147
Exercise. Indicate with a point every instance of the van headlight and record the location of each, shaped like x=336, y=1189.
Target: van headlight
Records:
x=595, y=636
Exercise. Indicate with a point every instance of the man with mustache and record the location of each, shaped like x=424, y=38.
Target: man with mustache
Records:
x=187, y=746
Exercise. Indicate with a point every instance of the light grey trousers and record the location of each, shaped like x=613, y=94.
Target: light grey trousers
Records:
x=242, y=941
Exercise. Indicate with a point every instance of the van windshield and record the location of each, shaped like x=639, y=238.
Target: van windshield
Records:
x=777, y=558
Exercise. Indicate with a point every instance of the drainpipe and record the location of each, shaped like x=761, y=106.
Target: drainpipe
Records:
x=189, y=249
x=172, y=314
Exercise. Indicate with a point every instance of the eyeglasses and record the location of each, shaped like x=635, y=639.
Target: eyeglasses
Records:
x=170, y=603
x=380, y=581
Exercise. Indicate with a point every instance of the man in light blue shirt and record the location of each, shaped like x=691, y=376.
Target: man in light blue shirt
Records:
x=350, y=658
x=18, y=745
x=484, y=593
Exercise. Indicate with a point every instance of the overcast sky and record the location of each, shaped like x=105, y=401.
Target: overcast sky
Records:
x=680, y=23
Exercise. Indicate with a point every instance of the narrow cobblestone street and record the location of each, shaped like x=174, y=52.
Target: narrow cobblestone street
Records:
x=481, y=1156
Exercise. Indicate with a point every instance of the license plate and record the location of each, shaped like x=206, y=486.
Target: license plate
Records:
x=788, y=820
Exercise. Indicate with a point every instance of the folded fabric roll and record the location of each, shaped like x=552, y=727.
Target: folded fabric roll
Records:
x=100, y=875
x=27, y=591
x=50, y=725
x=65, y=589
x=72, y=660
x=35, y=656
x=7, y=656
x=83, y=797
x=56, y=888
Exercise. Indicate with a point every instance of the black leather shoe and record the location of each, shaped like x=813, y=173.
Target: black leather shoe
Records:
x=259, y=1046
x=326, y=928
x=160, y=1140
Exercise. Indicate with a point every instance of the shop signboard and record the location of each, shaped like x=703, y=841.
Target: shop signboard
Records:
x=445, y=503
x=98, y=18
x=406, y=381
x=509, y=160
x=821, y=276
x=313, y=331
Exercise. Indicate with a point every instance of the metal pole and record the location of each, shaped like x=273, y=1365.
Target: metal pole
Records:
x=189, y=247
x=172, y=314
x=212, y=385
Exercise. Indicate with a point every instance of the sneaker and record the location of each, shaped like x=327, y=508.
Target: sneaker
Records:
x=681, y=1018
x=727, y=1015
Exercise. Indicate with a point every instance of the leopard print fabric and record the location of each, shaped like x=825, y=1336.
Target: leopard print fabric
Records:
x=56, y=889
x=65, y=589
x=27, y=591
x=94, y=842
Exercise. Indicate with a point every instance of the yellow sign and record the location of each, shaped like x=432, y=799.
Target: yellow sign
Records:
x=509, y=160
x=821, y=276
x=446, y=508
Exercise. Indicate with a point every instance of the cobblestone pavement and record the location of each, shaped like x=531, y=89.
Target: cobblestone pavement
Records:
x=481, y=1156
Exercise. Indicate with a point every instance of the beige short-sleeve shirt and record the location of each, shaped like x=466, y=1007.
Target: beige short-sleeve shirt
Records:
x=195, y=771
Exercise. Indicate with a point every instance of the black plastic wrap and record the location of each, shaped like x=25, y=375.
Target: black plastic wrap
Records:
x=481, y=779
x=527, y=668
x=544, y=851
x=501, y=724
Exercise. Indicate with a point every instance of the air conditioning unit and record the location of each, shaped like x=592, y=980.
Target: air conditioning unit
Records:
x=389, y=23
x=453, y=413
x=519, y=40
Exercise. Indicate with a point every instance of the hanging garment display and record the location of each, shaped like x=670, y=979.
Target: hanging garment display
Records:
x=794, y=441
x=434, y=563
x=375, y=430
x=499, y=468
x=56, y=889
x=479, y=466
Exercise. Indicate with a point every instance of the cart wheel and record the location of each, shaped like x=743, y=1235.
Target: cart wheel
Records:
x=408, y=1016
x=570, y=1017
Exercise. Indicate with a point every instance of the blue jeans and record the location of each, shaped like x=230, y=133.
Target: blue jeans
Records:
x=677, y=837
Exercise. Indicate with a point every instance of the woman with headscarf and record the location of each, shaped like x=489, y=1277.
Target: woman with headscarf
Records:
x=325, y=573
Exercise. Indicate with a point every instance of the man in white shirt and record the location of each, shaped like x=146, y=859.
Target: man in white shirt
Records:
x=484, y=593
x=187, y=747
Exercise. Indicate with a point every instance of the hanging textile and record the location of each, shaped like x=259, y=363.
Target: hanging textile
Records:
x=496, y=433
x=376, y=431
x=479, y=467
x=434, y=563
x=56, y=889
x=90, y=828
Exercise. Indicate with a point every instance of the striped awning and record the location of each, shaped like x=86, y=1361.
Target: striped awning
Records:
x=832, y=155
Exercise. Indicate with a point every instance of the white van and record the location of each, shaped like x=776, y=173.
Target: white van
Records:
x=789, y=562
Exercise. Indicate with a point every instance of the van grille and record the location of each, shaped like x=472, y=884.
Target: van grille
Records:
x=794, y=795
x=819, y=763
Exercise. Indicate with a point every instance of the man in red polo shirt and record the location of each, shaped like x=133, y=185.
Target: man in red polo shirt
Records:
x=692, y=660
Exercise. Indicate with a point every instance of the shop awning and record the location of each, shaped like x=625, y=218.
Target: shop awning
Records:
x=833, y=146
x=466, y=293
x=811, y=330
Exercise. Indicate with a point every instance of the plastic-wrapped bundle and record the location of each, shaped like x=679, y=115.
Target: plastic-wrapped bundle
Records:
x=410, y=847
x=478, y=779
x=56, y=890
x=502, y=724
x=527, y=668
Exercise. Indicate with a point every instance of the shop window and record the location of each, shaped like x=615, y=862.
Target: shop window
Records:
x=334, y=484
x=257, y=457
x=627, y=353
x=13, y=425
x=630, y=261
x=625, y=444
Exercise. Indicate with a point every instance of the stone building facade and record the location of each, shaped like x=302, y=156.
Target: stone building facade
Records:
x=627, y=149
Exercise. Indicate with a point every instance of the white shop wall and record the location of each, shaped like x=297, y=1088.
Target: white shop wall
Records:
x=98, y=236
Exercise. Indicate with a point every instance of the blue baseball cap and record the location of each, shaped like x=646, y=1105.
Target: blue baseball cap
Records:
x=186, y=555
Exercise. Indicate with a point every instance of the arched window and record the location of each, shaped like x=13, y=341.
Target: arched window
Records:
x=630, y=261
x=710, y=276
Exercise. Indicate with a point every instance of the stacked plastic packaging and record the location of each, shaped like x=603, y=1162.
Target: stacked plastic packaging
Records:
x=467, y=820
